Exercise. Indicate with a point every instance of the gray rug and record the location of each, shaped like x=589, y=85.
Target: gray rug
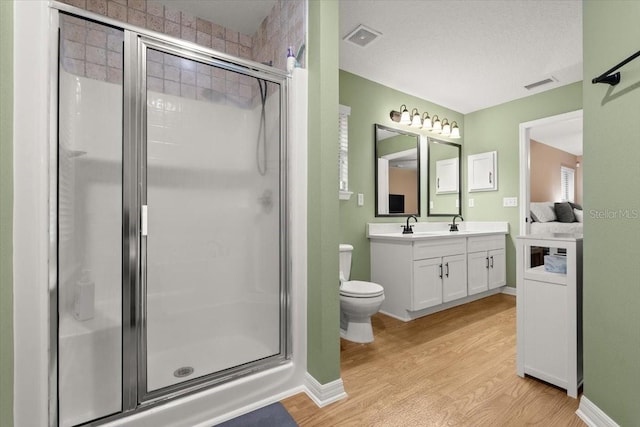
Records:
x=274, y=415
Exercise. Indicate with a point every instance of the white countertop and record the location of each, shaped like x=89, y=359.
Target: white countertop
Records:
x=434, y=230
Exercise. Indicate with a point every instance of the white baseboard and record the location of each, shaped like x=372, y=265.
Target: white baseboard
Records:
x=324, y=394
x=509, y=290
x=592, y=415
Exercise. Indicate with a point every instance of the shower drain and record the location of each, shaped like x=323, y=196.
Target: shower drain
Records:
x=185, y=371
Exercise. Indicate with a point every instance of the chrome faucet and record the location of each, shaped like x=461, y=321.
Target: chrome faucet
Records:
x=454, y=226
x=408, y=229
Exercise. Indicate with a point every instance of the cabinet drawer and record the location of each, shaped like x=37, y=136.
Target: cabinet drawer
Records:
x=439, y=248
x=485, y=243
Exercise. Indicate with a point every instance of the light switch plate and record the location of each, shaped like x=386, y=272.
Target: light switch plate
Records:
x=510, y=202
x=431, y=204
x=472, y=203
x=360, y=199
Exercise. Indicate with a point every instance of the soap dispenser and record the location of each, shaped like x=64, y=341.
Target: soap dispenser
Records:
x=291, y=60
x=84, y=297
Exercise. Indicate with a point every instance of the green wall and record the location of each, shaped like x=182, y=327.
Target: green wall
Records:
x=371, y=103
x=491, y=129
x=6, y=213
x=323, y=306
x=612, y=226
x=497, y=129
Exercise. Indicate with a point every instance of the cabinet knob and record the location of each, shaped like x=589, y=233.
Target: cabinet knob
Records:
x=447, y=265
x=441, y=271
x=491, y=261
x=487, y=258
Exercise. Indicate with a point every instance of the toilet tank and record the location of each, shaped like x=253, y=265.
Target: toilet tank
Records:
x=345, y=261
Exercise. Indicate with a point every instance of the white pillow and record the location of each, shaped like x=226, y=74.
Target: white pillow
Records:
x=578, y=214
x=543, y=211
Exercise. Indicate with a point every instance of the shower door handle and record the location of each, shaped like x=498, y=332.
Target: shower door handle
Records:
x=143, y=220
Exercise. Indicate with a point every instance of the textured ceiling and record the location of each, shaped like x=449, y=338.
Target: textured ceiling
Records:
x=465, y=54
x=565, y=135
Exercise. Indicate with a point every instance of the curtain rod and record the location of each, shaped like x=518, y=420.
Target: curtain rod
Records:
x=614, y=79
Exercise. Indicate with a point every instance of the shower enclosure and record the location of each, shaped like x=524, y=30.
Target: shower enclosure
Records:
x=171, y=220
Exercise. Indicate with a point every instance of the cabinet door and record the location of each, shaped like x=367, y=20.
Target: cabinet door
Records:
x=427, y=283
x=497, y=269
x=546, y=329
x=478, y=265
x=482, y=172
x=447, y=174
x=454, y=281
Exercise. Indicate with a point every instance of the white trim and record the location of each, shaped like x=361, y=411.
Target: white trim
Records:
x=324, y=394
x=592, y=415
x=31, y=55
x=525, y=184
x=509, y=290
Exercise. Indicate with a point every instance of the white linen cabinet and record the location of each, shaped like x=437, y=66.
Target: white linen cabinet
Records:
x=549, y=312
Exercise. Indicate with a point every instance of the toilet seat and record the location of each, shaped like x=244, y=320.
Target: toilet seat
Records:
x=360, y=289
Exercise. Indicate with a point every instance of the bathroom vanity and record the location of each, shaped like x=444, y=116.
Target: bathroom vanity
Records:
x=433, y=269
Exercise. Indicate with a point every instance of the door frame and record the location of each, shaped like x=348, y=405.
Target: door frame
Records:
x=525, y=161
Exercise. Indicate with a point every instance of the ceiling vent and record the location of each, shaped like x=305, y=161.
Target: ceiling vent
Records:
x=541, y=83
x=362, y=35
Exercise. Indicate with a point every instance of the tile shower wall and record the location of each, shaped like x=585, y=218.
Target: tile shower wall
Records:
x=91, y=51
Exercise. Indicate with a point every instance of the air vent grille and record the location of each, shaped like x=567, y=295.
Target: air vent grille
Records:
x=362, y=36
x=540, y=83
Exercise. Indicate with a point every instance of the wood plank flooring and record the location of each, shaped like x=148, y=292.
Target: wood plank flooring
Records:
x=453, y=368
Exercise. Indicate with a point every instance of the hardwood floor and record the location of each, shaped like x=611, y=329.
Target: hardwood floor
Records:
x=453, y=368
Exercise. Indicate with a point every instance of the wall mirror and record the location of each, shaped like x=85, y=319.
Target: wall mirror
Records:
x=397, y=168
x=443, y=185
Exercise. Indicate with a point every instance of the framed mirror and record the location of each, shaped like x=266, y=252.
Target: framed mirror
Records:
x=397, y=157
x=444, y=177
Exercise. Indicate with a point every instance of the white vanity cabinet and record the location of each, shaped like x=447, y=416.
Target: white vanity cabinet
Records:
x=486, y=263
x=423, y=274
x=439, y=272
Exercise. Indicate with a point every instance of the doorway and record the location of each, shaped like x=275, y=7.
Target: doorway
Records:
x=526, y=131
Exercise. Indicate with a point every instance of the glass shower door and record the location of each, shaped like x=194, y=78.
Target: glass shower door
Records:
x=213, y=276
x=89, y=246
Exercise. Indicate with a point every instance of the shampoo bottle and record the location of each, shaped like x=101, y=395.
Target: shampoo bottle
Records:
x=291, y=60
x=84, y=297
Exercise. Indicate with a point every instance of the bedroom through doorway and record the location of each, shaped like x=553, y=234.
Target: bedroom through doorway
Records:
x=551, y=169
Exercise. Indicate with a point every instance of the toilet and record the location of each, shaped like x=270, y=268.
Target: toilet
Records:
x=358, y=302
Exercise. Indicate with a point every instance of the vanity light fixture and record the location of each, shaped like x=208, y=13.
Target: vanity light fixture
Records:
x=455, y=130
x=404, y=115
x=437, y=125
x=433, y=124
x=446, y=128
x=415, y=119
x=426, y=122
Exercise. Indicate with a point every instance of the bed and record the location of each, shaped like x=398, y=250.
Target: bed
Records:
x=556, y=217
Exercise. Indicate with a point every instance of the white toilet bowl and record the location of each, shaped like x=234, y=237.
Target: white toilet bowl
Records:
x=358, y=302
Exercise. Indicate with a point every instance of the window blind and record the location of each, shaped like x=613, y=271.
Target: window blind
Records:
x=567, y=184
x=343, y=150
